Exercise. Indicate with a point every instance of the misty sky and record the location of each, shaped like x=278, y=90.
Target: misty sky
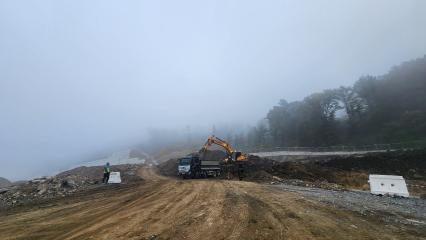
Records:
x=77, y=77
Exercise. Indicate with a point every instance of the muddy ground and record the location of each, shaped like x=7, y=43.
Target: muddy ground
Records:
x=167, y=208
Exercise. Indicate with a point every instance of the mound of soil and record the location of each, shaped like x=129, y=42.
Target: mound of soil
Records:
x=346, y=171
x=169, y=168
x=4, y=182
x=409, y=164
x=63, y=184
x=95, y=174
x=310, y=172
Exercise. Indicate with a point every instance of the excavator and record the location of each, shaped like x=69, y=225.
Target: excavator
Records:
x=195, y=166
x=232, y=155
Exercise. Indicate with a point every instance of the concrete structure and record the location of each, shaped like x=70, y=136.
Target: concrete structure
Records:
x=388, y=185
x=114, y=177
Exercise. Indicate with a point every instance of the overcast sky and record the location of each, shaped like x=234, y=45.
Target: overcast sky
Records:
x=79, y=76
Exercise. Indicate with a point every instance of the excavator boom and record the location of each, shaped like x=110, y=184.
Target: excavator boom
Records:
x=232, y=154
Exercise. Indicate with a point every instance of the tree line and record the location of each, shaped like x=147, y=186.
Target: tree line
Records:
x=376, y=109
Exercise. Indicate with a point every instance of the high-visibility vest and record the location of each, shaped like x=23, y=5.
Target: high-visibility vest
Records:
x=106, y=170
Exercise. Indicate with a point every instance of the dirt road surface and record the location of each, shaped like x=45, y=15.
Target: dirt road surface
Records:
x=164, y=208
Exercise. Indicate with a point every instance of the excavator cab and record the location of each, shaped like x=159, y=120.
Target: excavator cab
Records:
x=235, y=156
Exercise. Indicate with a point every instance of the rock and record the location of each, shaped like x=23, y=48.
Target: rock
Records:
x=277, y=178
x=71, y=182
x=4, y=190
x=68, y=183
x=153, y=237
x=61, y=185
x=39, y=180
x=42, y=189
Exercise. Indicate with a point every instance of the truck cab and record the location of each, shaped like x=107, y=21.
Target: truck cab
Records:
x=184, y=167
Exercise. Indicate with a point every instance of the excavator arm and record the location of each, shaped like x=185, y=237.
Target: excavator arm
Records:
x=232, y=154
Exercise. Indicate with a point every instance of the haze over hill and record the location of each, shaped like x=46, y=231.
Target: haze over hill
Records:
x=83, y=78
x=4, y=182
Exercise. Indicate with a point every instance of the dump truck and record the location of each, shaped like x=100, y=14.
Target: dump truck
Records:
x=195, y=166
x=192, y=166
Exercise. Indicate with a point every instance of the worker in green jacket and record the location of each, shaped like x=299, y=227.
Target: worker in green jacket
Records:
x=107, y=171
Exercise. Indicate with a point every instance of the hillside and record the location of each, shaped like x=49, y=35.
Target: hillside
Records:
x=4, y=182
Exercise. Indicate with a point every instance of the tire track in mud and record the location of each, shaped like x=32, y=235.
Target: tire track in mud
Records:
x=144, y=209
x=165, y=207
x=107, y=213
x=201, y=217
x=37, y=224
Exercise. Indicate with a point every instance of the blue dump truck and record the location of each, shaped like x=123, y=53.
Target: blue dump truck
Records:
x=192, y=166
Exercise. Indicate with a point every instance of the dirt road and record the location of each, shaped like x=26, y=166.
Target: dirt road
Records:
x=163, y=208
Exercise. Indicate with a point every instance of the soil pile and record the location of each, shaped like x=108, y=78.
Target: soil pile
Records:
x=311, y=174
x=410, y=164
x=169, y=168
x=94, y=175
x=4, y=182
x=346, y=171
x=63, y=184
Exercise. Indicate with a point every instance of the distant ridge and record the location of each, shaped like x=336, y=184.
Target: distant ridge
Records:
x=4, y=182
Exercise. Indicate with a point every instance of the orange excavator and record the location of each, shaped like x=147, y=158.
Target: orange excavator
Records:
x=232, y=155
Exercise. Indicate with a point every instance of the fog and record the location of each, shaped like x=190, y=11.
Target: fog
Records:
x=78, y=78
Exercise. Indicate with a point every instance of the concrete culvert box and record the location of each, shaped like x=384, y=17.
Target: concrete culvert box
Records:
x=114, y=177
x=388, y=185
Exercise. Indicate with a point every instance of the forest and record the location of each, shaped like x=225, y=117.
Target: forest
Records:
x=376, y=109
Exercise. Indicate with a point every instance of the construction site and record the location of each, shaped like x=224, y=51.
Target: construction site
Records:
x=213, y=120
x=315, y=197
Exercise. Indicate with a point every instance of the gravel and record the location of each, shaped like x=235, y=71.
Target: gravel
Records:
x=410, y=211
x=61, y=185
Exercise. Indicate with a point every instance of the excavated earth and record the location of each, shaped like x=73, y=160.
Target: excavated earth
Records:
x=336, y=172
x=64, y=184
x=168, y=208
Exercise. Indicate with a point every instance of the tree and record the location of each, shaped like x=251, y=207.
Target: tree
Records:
x=353, y=104
x=386, y=108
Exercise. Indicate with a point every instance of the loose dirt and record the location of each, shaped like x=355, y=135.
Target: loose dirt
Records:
x=345, y=172
x=165, y=208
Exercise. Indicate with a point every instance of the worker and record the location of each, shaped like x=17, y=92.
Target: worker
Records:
x=107, y=171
